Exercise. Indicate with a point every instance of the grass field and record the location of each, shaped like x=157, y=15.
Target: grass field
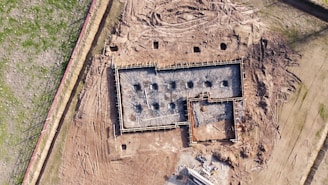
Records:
x=36, y=40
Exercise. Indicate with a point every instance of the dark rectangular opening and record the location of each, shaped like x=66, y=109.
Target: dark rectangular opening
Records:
x=155, y=44
x=113, y=48
x=123, y=146
x=196, y=49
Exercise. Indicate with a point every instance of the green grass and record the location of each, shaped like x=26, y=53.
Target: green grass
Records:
x=28, y=30
x=319, y=132
x=303, y=92
x=3, y=136
x=7, y=99
x=39, y=34
x=63, y=4
x=292, y=33
x=323, y=111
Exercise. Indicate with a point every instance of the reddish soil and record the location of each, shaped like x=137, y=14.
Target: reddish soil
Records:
x=96, y=156
x=214, y=131
x=93, y=154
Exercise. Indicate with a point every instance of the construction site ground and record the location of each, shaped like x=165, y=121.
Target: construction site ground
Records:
x=300, y=121
x=282, y=141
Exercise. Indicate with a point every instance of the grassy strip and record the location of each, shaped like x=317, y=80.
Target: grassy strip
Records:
x=28, y=31
x=62, y=97
x=296, y=31
x=323, y=111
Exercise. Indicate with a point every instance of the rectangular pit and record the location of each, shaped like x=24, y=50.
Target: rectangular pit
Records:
x=151, y=98
x=213, y=120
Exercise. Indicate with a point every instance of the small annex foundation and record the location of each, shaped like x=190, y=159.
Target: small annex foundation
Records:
x=214, y=119
x=207, y=97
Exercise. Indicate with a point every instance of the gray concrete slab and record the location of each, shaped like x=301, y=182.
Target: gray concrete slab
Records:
x=153, y=98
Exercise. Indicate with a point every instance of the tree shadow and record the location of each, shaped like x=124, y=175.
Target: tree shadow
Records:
x=112, y=98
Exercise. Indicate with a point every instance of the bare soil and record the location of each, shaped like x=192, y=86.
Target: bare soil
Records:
x=282, y=95
x=214, y=131
x=320, y=176
x=300, y=121
x=97, y=153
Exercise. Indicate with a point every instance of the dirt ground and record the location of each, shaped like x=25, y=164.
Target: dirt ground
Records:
x=300, y=120
x=97, y=153
x=283, y=91
x=214, y=131
x=320, y=176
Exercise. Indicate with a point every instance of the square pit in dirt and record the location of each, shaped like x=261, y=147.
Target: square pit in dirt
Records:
x=151, y=98
x=213, y=120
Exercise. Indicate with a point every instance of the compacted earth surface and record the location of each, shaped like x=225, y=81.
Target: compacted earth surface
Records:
x=284, y=123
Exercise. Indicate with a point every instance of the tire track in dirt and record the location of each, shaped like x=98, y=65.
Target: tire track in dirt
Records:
x=310, y=107
x=91, y=149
